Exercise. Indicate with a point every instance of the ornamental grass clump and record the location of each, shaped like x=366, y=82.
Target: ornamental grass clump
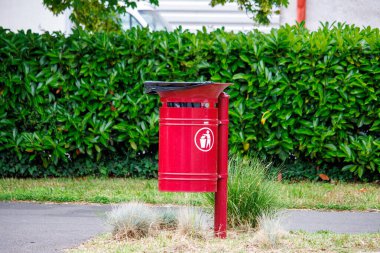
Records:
x=194, y=222
x=133, y=221
x=269, y=231
x=168, y=218
x=136, y=220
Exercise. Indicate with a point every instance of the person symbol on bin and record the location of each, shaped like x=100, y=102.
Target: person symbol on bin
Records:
x=208, y=139
x=205, y=140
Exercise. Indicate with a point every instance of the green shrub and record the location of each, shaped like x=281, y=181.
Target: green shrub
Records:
x=309, y=95
x=300, y=171
x=250, y=193
x=120, y=164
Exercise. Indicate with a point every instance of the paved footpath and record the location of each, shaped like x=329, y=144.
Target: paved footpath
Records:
x=32, y=227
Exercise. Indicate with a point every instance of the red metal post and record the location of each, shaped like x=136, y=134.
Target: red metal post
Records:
x=301, y=10
x=220, y=221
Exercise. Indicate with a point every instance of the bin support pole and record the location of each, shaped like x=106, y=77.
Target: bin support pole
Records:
x=220, y=219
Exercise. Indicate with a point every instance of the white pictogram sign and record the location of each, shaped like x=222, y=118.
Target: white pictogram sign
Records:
x=204, y=139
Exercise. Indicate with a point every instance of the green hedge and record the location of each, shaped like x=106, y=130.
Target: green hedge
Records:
x=298, y=95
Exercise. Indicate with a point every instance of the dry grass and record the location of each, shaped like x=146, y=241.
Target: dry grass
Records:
x=167, y=241
x=269, y=237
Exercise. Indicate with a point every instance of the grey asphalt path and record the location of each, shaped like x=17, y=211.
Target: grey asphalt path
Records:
x=337, y=222
x=33, y=227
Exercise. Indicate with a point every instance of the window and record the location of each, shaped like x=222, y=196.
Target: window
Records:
x=134, y=22
x=154, y=20
x=128, y=21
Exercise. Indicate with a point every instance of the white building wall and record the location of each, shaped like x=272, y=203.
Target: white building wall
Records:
x=194, y=14
x=31, y=14
x=190, y=14
x=358, y=12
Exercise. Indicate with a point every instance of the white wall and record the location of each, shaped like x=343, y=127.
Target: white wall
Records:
x=31, y=14
x=358, y=12
x=193, y=14
x=190, y=14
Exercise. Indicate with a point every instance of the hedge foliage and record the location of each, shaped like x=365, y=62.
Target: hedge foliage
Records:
x=308, y=96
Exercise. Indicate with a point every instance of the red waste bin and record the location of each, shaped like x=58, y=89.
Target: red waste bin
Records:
x=193, y=141
x=188, y=135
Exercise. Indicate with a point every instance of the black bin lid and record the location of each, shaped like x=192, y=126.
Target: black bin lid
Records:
x=152, y=87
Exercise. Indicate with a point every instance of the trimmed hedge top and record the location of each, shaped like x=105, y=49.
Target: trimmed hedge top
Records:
x=311, y=96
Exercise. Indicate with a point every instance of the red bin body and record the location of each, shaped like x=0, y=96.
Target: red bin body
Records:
x=188, y=136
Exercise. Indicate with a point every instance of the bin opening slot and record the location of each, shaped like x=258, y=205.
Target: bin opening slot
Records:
x=158, y=86
x=188, y=104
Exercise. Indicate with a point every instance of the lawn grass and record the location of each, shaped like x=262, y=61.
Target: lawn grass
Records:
x=342, y=196
x=93, y=190
x=169, y=241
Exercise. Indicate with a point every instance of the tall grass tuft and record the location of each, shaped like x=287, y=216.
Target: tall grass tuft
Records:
x=250, y=193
